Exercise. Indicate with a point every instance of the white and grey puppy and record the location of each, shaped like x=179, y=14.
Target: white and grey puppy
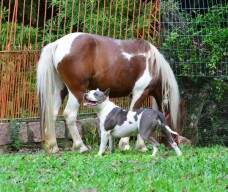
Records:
x=116, y=122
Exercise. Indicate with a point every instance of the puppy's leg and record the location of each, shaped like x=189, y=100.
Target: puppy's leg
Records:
x=153, y=141
x=111, y=146
x=176, y=148
x=167, y=132
x=104, y=141
x=155, y=150
x=155, y=145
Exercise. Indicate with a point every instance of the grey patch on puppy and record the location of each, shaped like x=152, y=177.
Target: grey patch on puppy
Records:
x=116, y=117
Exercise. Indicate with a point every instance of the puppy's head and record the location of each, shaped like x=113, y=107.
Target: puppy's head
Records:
x=95, y=97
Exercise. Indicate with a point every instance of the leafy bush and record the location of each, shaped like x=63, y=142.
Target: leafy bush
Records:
x=14, y=135
x=200, y=47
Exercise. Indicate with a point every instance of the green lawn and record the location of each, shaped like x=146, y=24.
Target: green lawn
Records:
x=199, y=169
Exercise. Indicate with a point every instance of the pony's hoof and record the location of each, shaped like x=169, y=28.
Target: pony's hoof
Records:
x=51, y=148
x=98, y=155
x=141, y=147
x=83, y=149
x=179, y=154
x=80, y=148
x=124, y=146
x=153, y=156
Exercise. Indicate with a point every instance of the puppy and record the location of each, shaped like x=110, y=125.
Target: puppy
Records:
x=116, y=122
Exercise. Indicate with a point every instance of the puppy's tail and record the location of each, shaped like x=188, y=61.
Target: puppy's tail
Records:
x=163, y=124
x=170, y=130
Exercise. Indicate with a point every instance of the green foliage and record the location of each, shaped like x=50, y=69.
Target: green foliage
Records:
x=24, y=35
x=14, y=128
x=97, y=17
x=199, y=169
x=201, y=48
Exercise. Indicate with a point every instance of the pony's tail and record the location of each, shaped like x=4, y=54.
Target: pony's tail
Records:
x=45, y=88
x=170, y=91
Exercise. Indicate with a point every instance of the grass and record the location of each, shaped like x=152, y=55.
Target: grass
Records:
x=199, y=169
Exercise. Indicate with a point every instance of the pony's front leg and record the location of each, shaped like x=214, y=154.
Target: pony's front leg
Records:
x=137, y=98
x=70, y=114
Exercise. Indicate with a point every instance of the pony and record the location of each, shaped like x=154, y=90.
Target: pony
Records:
x=78, y=62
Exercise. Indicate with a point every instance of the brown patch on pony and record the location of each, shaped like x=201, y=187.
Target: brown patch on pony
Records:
x=90, y=65
x=141, y=46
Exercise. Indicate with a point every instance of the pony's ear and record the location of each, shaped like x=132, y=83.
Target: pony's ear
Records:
x=107, y=91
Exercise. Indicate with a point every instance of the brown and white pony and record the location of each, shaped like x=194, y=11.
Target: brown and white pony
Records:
x=81, y=61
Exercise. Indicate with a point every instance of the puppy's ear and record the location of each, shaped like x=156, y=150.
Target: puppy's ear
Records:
x=107, y=91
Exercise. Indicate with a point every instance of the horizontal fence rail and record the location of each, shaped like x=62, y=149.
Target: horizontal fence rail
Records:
x=27, y=25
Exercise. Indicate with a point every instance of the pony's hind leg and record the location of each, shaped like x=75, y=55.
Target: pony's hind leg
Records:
x=70, y=114
x=50, y=135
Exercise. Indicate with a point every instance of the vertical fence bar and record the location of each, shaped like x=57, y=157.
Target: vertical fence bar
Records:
x=72, y=16
x=59, y=18
x=109, y=19
x=64, y=24
x=8, y=26
x=91, y=16
x=79, y=9
x=37, y=23
x=133, y=20
x=98, y=10
x=121, y=19
x=84, y=19
x=139, y=13
x=22, y=25
x=1, y=15
x=12, y=25
x=116, y=9
x=144, y=16
x=126, y=27
x=149, y=20
x=30, y=24
x=15, y=22
x=103, y=19
x=51, y=19
x=44, y=27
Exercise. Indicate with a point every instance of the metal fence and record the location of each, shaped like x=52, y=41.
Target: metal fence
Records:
x=27, y=25
x=194, y=37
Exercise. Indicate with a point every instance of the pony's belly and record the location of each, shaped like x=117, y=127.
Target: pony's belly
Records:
x=116, y=90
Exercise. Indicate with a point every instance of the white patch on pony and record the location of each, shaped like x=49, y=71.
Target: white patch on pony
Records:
x=63, y=47
x=142, y=54
x=142, y=82
x=128, y=56
x=70, y=113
